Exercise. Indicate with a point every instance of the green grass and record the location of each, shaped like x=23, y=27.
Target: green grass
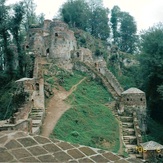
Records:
x=89, y=121
x=71, y=79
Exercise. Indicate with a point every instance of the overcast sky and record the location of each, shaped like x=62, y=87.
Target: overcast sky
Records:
x=145, y=12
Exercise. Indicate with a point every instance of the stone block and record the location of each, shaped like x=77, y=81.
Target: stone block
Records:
x=47, y=158
x=87, y=151
x=62, y=156
x=51, y=148
x=20, y=153
x=76, y=154
x=111, y=156
x=5, y=157
x=13, y=144
x=99, y=158
x=65, y=145
x=37, y=150
x=27, y=141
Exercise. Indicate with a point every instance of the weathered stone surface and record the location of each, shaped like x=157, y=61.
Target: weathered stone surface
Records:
x=41, y=140
x=37, y=150
x=87, y=151
x=75, y=153
x=42, y=149
x=62, y=156
x=3, y=139
x=29, y=159
x=20, y=153
x=99, y=158
x=27, y=141
x=65, y=145
x=5, y=156
x=47, y=158
x=13, y=144
x=85, y=160
x=111, y=156
x=121, y=161
x=51, y=148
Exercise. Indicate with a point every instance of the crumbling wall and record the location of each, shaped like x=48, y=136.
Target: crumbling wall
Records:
x=62, y=41
x=23, y=125
x=82, y=54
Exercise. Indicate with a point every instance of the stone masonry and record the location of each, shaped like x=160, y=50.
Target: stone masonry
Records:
x=21, y=147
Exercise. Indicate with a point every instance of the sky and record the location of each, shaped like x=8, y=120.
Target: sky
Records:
x=146, y=12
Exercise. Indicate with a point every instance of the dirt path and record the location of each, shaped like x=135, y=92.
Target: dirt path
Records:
x=56, y=107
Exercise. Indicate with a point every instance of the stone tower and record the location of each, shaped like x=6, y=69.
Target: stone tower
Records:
x=134, y=100
x=62, y=41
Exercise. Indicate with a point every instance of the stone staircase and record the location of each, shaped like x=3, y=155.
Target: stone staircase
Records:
x=37, y=116
x=128, y=132
x=105, y=80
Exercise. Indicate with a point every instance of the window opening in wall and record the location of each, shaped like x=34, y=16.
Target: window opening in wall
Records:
x=77, y=54
x=37, y=86
x=27, y=46
x=56, y=34
x=47, y=50
x=127, y=99
x=141, y=99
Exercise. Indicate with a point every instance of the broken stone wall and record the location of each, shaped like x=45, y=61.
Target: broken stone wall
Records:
x=23, y=125
x=62, y=41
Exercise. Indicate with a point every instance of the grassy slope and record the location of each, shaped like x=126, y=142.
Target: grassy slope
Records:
x=88, y=122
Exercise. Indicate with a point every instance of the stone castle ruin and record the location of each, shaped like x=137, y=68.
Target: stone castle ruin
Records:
x=58, y=43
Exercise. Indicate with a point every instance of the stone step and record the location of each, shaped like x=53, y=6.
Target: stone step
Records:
x=36, y=115
x=36, y=123
x=131, y=149
x=128, y=124
x=130, y=142
x=37, y=110
x=128, y=132
x=35, y=130
x=129, y=137
x=126, y=119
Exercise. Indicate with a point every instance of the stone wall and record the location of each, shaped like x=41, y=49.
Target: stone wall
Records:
x=138, y=100
x=114, y=82
x=82, y=54
x=62, y=41
x=23, y=125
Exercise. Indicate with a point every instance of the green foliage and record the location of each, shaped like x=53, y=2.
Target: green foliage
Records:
x=89, y=122
x=115, y=14
x=151, y=61
x=97, y=46
x=125, y=36
x=154, y=132
x=88, y=16
x=16, y=31
x=68, y=83
x=128, y=31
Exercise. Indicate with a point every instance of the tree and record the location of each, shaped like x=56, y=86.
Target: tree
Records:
x=16, y=31
x=6, y=53
x=115, y=15
x=75, y=13
x=128, y=31
x=29, y=14
x=99, y=23
x=152, y=69
x=89, y=16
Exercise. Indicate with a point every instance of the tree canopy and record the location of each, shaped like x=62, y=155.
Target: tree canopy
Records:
x=87, y=15
x=152, y=68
